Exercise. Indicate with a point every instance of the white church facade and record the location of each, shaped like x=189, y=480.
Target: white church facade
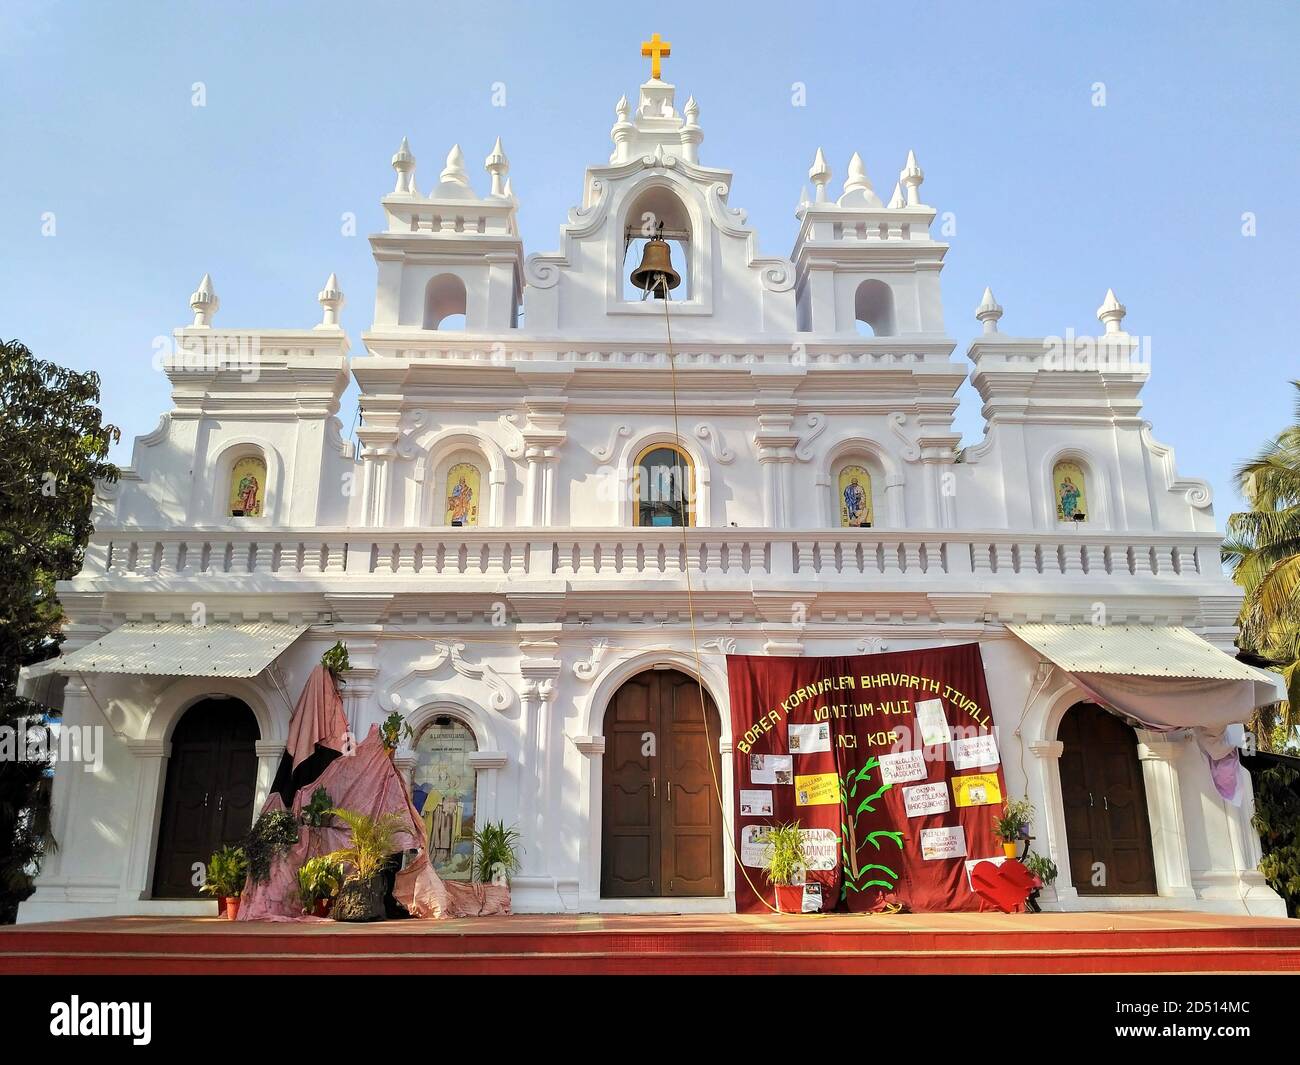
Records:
x=556, y=511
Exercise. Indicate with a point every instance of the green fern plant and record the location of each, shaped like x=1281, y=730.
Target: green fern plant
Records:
x=319, y=878
x=494, y=844
x=784, y=859
x=227, y=871
x=371, y=844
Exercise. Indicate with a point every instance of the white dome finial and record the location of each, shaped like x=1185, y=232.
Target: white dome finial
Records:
x=820, y=175
x=204, y=302
x=989, y=312
x=331, y=299
x=910, y=178
x=498, y=166
x=1111, y=313
x=404, y=164
x=896, y=200
x=454, y=171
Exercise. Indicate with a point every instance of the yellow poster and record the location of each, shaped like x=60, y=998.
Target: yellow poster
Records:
x=977, y=789
x=855, y=498
x=816, y=789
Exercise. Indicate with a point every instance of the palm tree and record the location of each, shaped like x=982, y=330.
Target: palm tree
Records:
x=1262, y=551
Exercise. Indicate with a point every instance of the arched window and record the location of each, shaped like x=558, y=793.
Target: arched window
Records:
x=444, y=788
x=1070, y=491
x=657, y=213
x=873, y=307
x=463, y=494
x=665, y=487
x=853, y=491
x=445, y=301
x=247, y=487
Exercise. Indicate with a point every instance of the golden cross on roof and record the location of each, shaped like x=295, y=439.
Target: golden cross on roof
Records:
x=656, y=50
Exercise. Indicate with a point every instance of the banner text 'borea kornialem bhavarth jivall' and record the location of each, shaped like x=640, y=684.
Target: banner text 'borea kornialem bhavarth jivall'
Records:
x=888, y=763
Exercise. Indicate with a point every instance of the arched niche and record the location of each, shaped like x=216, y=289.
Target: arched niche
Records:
x=657, y=211
x=236, y=462
x=885, y=478
x=443, y=451
x=873, y=308
x=1073, y=482
x=445, y=303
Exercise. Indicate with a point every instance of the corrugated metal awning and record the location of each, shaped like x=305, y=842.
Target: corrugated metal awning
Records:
x=1136, y=651
x=169, y=649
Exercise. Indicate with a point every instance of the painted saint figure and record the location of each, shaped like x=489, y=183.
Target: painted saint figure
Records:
x=248, y=495
x=458, y=503
x=854, y=501
x=1069, y=498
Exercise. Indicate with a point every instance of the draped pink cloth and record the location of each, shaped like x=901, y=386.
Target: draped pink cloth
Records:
x=367, y=782
x=317, y=719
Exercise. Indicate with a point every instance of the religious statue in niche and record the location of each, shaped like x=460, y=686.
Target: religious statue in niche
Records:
x=463, y=483
x=444, y=791
x=855, y=498
x=1069, y=488
x=247, y=488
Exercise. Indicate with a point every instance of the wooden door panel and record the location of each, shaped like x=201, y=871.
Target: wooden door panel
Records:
x=630, y=831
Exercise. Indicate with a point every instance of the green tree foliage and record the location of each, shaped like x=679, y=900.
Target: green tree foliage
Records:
x=1277, y=820
x=1263, y=552
x=54, y=451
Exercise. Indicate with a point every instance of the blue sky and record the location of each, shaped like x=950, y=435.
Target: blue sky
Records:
x=1055, y=199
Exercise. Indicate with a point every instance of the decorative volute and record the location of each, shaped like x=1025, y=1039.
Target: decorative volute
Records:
x=331, y=301
x=1111, y=313
x=204, y=302
x=988, y=312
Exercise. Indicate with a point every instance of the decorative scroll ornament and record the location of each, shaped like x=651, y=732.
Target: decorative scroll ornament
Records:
x=872, y=645
x=803, y=450
x=604, y=454
x=510, y=422
x=586, y=670
x=911, y=452
x=503, y=696
x=724, y=645
x=713, y=438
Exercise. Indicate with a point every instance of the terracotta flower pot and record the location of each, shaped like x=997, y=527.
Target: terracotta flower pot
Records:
x=232, y=908
x=789, y=898
x=1009, y=849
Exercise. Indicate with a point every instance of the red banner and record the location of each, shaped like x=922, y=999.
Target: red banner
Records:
x=888, y=763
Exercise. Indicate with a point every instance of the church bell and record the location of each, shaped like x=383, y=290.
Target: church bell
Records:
x=655, y=276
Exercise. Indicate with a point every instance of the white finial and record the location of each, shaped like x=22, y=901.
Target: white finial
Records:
x=857, y=186
x=803, y=199
x=204, y=302
x=331, y=299
x=454, y=171
x=911, y=178
x=622, y=109
x=508, y=192
x=404, y=164
x=820, y=175
x=988, y=312
x=692, y=112
x=1111, y=313
x=896, y=201
x=498, y=166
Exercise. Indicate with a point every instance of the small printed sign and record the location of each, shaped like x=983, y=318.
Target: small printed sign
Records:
x=755, y=804
x=932, y=722
x=821, y=849
x=809, y=739
x=922, y=799
x=771, y=769
x=902, y=767
x=940, y=843
x=817, y=789
x=974, y=752
x=812, y=897
x=753, y=846
x=977, y=789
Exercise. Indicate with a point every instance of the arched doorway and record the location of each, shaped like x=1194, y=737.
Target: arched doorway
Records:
x=661, y=828
x=1106, y=822
x=208, y=797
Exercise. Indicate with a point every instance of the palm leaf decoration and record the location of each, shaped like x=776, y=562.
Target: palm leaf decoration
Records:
x=372, y=842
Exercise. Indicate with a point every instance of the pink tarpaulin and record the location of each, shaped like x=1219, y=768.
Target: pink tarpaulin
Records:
x=318, y=719
x=369, y=783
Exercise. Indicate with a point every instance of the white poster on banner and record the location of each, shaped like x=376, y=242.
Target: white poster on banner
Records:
x=821, y=849
x=812, y=897
x=755, y=804
x=753, y=853
x=809, y=739
x=972, y=752
x=932, y=722
x=922, y=799
x=937, y=843
x=771, y=769
x=902, y=767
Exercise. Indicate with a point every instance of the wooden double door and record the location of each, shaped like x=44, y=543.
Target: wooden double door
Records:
x=208, y=797
x=1106, y=821
x=661, y=831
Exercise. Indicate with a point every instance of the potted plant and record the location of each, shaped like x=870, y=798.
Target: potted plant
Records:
x=785, y=863
x=394, y=730
x=317, y=812
x=1013, y=825
x=336, y=661
x=1045, y=869
x=496, y=850
x=226, y=873
x=361, y=895
x=319, y=881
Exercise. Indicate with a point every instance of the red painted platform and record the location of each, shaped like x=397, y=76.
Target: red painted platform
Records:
x=686, y=944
